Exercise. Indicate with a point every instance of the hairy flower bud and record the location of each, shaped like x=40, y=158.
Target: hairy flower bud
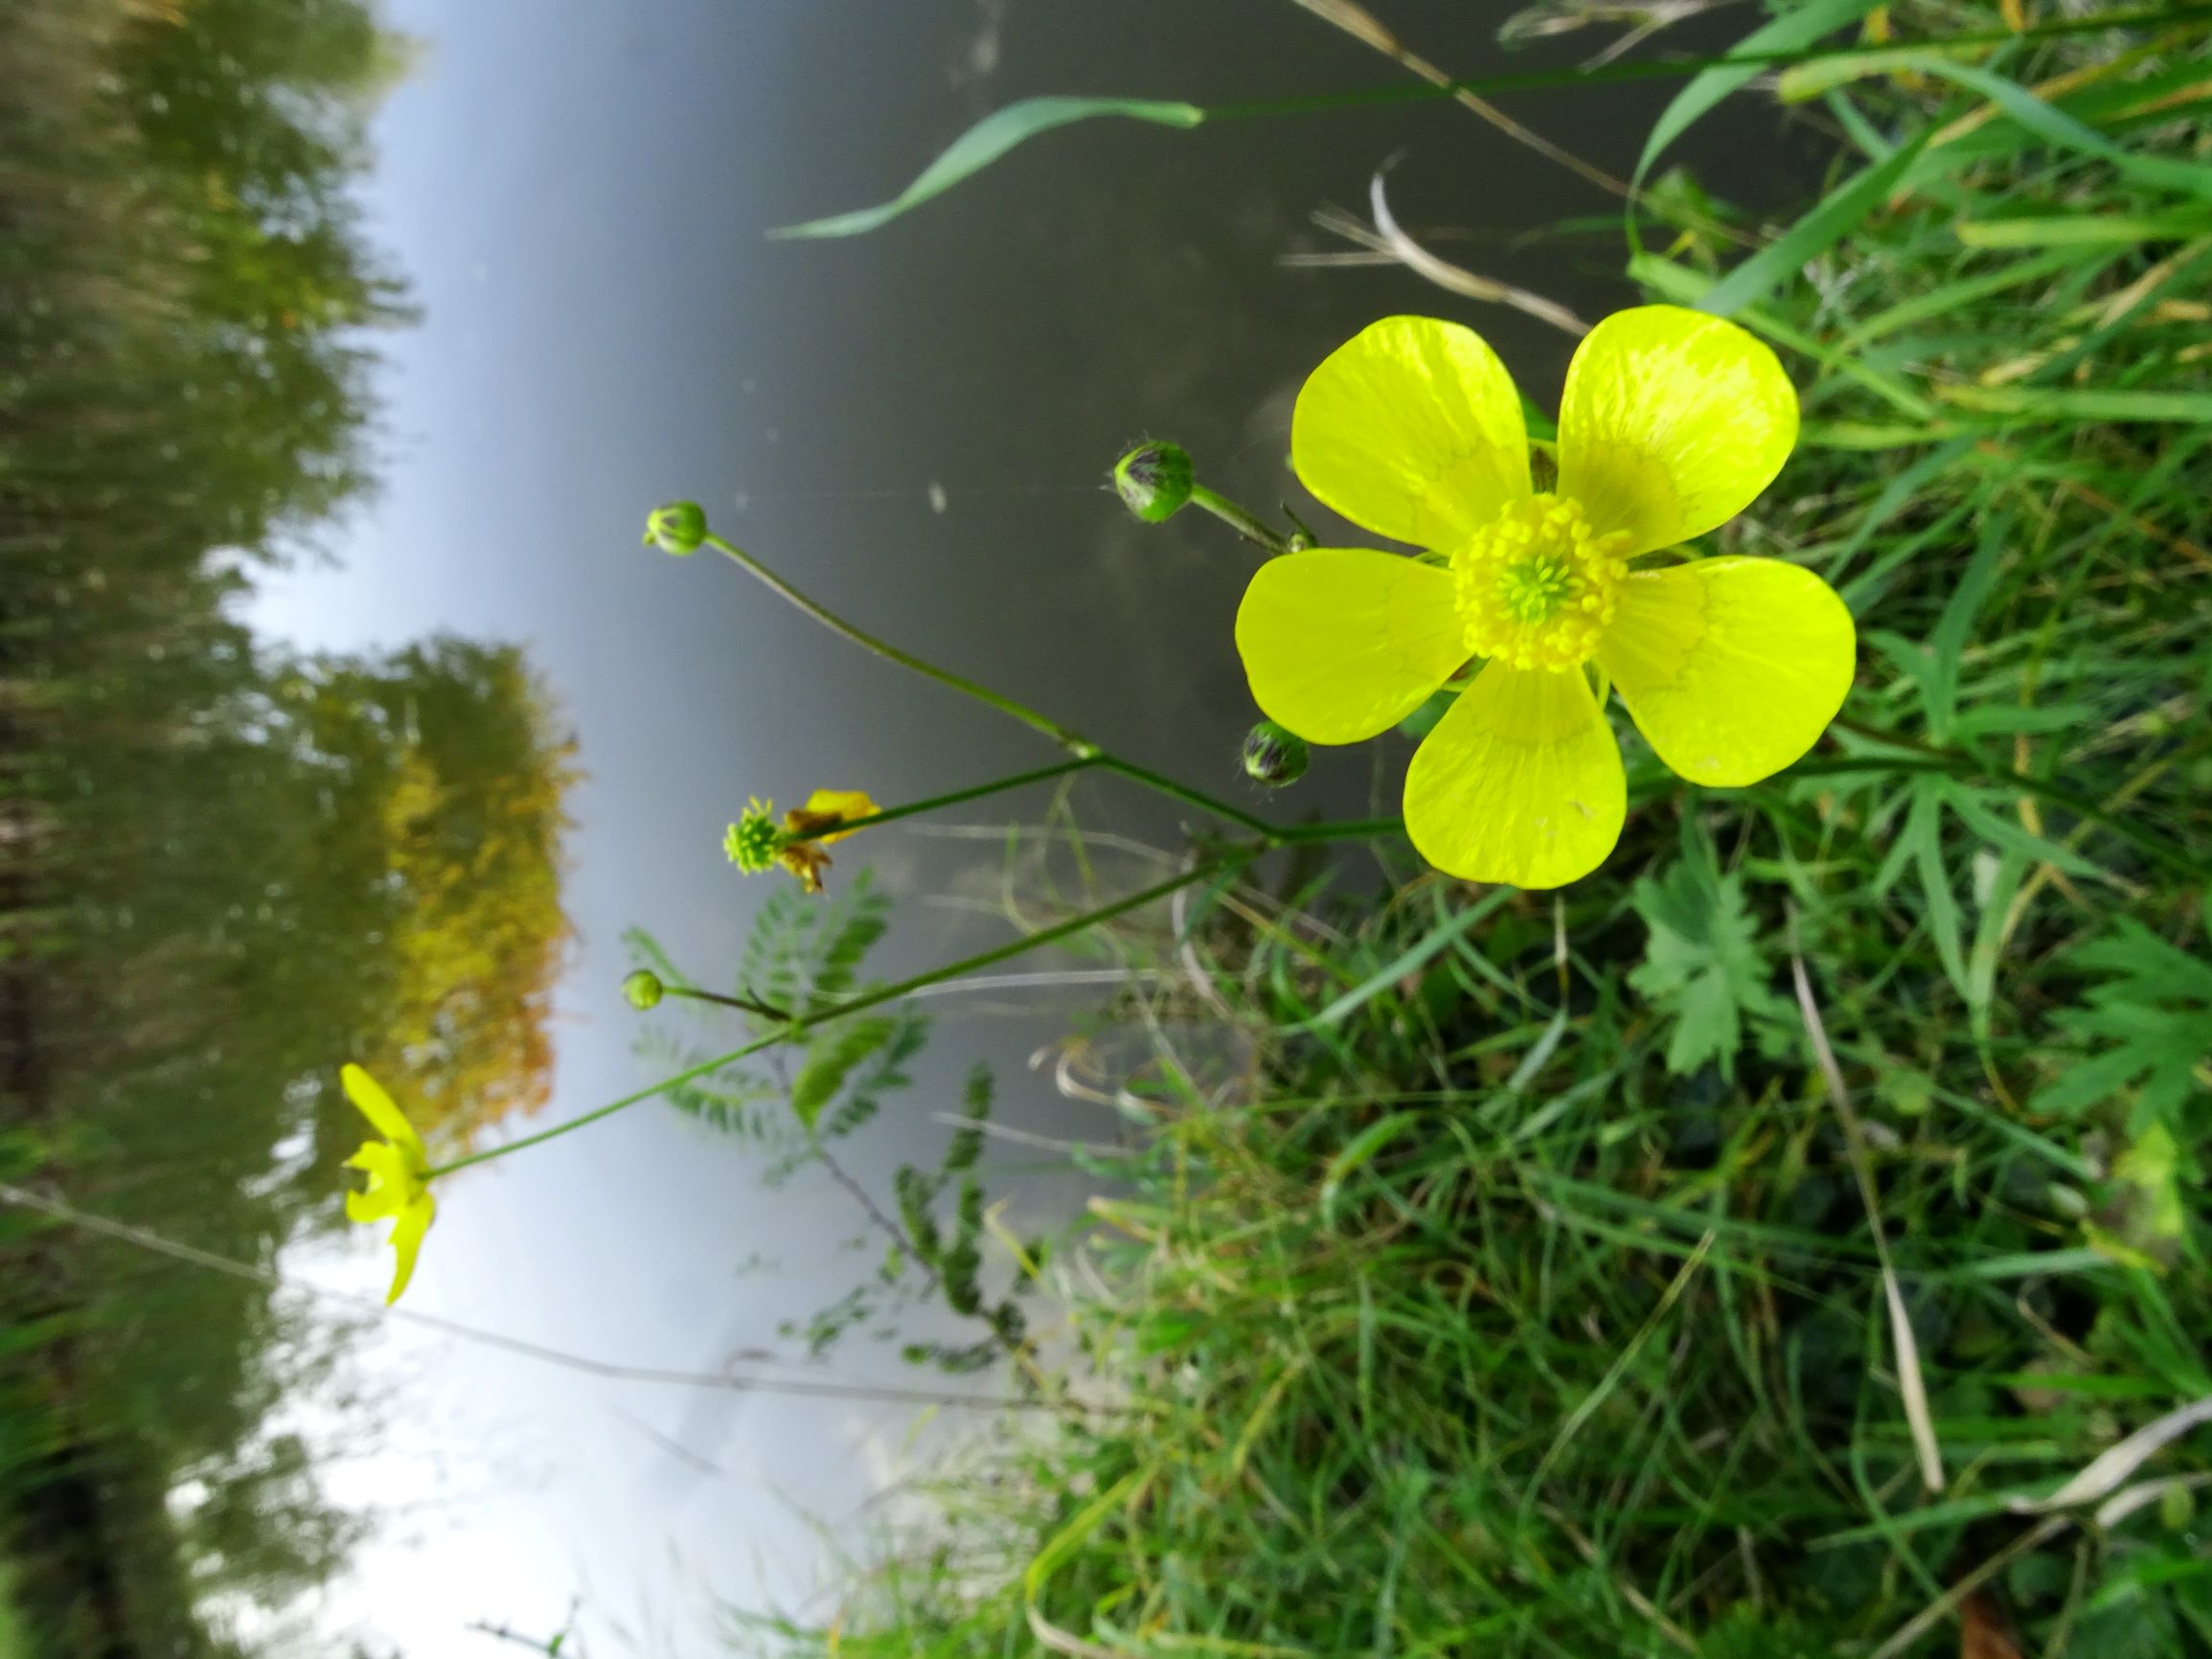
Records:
x=1274, y=755
x=643, y=989
x=679, y=528
x=1154, y=480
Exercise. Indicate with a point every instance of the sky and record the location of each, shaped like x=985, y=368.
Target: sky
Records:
x=916, y=427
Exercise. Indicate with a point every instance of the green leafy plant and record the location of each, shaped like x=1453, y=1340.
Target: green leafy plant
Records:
x=2146, y=1027
x=1705, y=965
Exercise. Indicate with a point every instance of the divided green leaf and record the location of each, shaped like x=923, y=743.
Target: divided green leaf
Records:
x=1702, y=964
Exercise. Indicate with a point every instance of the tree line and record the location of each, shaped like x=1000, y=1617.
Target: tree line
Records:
x=224, y=866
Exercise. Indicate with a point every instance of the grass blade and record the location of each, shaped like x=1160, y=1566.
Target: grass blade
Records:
x=985, y=142
x=1784, y=34
x=1838, y=214
x=2107, y=1472
x=1910, y=1383
x=2058, y=128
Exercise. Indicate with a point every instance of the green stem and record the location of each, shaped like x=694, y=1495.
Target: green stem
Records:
x=1341, y=829
x=791, y=1030
x=693, y=992
x=1189, y=796
x=976, y=793
x=1269, y=834
x=1086, y=753
x=1237, y=519
x=835, y=624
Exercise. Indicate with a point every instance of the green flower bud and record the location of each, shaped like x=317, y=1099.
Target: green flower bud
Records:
x=2176, y=1508
x=679, y=528
x=1274, y=755
x=1154, y=480
x=753, y=841
x=643, y=989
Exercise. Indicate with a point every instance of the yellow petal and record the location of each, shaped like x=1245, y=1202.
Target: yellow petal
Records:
x=1414, y=430
x=1520, y=783
x=407, y=1241
x=842, y=804
x=377, y=1106
x=373, y=1205
x=1671, y=423
x=1341, y=643
x=1732, y=668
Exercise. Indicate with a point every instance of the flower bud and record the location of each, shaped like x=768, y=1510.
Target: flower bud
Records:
x=679, y=528
x=643, y=989
x=1154, y=480
x=753, y=841
x=1274, y=755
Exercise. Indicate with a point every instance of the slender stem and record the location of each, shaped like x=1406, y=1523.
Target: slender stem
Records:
x=830, y=620
x=1237, y=519
x=799, y=1026
x=1190, y=797
x=874, y=1210
x=693, y=992
x=1341, y=829
x=1086, y=753
x=1682, y=68
x=976, y=792
x=1272, y=834
x=613, y=1106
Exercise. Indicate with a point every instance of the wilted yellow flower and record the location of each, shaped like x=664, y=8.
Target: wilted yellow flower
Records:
x=824, y=808
x=398, y=1171
x=1673, y=421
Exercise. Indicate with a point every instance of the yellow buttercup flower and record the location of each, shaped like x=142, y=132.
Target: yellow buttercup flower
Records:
x=1671, y=423
x=398, y=1172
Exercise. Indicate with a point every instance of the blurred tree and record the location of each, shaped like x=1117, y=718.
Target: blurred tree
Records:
x=455, y=778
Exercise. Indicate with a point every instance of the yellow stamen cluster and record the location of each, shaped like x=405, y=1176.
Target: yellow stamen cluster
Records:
x=1537, y=587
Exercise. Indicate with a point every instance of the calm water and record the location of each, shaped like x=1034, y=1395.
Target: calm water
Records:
x=914, y=426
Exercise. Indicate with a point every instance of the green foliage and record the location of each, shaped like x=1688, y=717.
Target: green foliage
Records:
x=1703, y=967
x=1498, y=1295
x=803, y=951
x=2147, y=1028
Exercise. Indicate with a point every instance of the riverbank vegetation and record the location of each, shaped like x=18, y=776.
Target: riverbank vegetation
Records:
x=1789, y=1240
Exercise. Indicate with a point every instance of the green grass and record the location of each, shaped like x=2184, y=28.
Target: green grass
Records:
x=1515, y=1294
x=14, y=1641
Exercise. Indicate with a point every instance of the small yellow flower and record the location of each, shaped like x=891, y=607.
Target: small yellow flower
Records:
x=398, y=1171
x=824, y=808
x=1671, y=423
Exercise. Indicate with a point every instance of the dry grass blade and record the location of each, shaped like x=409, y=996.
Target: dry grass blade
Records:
x=1065, y=1640
x=1363, y=25
x=2143, y=1493
x=2105, y=1475
x=1909, y=1381
x=1447, y=275
x=1388, y=244
x=1944, y=1604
